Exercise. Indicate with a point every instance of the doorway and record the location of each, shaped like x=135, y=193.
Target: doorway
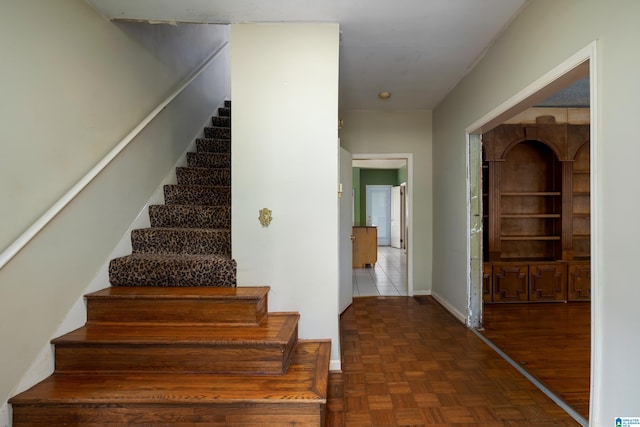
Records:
x=374, y=179
x=378, y=201
x=553, y=236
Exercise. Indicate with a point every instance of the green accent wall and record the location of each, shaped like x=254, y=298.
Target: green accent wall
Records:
x=371, y=177
x=402, y=175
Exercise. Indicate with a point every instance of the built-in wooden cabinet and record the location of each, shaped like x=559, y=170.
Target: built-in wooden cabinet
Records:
x=579, y=281
x=548, y=282
x=487, y=279
x=365, y=246
x=581, y=204
x=510, y=282
x=536, y=212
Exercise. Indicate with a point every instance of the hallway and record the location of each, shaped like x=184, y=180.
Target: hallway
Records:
x=408, y=362
x=387, y=278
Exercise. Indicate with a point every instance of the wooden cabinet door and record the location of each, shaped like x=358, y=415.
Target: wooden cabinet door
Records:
x=510, y=282
x=547, y=282
x=486, y=282
x=579, y=281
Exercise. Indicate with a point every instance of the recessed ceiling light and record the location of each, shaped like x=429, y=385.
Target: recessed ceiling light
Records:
x=384, y=95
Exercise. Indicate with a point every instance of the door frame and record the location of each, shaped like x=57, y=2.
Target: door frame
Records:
x=409, y=195
x=396, y=220
x=345, y=230
x=581, y=63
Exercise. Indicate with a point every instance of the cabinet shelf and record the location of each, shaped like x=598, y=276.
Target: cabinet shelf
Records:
x=514, y=238
x=533, y=193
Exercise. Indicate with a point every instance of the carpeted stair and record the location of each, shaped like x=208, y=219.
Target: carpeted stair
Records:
x=189, y=241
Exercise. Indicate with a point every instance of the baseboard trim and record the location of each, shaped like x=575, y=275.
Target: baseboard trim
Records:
x=451, y=309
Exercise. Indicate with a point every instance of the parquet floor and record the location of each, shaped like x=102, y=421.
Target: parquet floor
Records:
x=408, y=362
x=550, y=341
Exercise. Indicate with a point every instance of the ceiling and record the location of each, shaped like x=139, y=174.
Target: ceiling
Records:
x=418, y=50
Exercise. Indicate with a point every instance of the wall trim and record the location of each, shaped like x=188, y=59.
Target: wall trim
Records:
x=578, y=65
x=450, y=308
x=22, y=240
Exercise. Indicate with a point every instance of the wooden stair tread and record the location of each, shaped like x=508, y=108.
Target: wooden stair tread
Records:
x=187, y=292
x=275, y=329
x=305, y=382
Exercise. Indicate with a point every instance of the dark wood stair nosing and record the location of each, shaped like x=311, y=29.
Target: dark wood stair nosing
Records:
x=139, y=333
x=309, y=368
x=179, y=293
x=179, y=305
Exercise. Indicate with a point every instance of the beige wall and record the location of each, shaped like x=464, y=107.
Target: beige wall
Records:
x=373, y=132
x=521, y=55
x=285, y=158
x=73, y=85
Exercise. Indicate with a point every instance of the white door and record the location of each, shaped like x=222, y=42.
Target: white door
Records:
x=396, y=218
x=379, y=211
x=346, y=227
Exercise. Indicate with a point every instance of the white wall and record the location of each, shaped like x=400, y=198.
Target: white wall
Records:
x=285, y=158
x=372, y=132
x=73, y=85
x=521, y=55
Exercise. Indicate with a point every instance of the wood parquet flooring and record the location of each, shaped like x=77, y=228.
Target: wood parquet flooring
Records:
x=550, y=341
x=406, y=363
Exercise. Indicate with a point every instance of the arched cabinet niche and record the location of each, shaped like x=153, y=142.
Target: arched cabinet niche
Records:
x=536, y=212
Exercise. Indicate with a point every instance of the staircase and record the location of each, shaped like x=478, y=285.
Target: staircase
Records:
x=174, y=342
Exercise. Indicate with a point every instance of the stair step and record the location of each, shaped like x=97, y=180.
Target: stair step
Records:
x=203, y=195
x=206, y=348
x=224, y=122
x=296, y=398
x=208, y=160
x=224, y=111
x=217, y=132
x=196, y=241
x=204, y=176
x=190, y=216
x=172, y=270
x=213, y=145
x=246, y=305
x=227, y=103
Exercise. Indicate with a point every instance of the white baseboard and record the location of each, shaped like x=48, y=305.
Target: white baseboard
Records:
x=335, y=365
x=451, y=309
x=422, y=292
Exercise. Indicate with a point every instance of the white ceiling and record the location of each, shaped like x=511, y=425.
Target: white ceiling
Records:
x=416, y=49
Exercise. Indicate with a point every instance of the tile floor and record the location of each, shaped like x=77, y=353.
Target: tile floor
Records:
x=387, y=278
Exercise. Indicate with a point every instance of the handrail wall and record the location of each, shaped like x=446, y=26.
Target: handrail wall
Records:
x=22, y=240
